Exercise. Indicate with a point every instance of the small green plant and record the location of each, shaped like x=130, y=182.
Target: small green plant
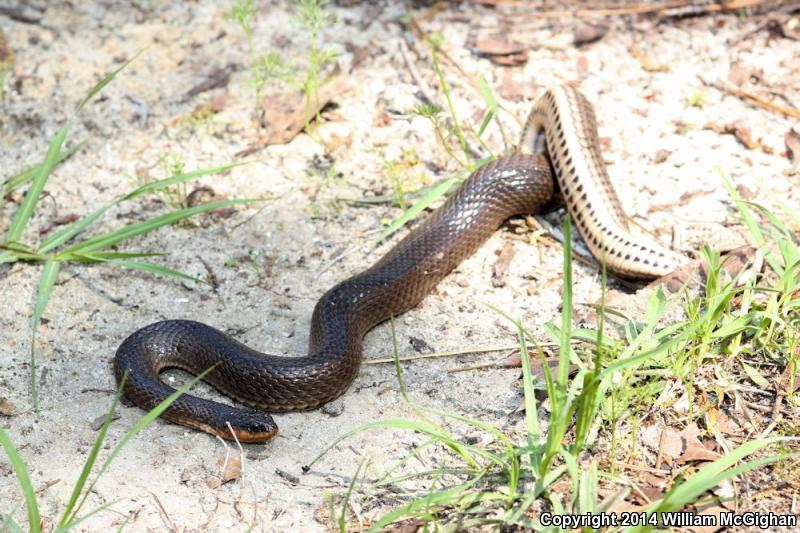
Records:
x=198, y=118
x=242, y=12
x=697, y=99
x=311, y=17
x=404, y=176
x=176, y=196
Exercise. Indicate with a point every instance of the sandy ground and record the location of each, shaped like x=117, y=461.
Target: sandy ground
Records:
x=273, y=261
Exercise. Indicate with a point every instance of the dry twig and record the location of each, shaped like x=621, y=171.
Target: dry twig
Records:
x=754, y=99
x=680, y=8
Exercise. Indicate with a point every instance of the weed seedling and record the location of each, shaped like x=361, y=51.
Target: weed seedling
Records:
x=312, y=18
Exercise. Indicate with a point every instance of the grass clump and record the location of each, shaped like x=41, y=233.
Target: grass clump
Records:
x=311, y=17
x=500, y=478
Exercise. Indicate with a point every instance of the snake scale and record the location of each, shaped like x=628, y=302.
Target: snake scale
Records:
x=562, y=121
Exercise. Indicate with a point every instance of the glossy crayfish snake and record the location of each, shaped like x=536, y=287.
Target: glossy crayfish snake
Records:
x=520, y=183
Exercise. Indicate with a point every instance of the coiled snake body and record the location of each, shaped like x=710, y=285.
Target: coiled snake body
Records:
x=515, y=184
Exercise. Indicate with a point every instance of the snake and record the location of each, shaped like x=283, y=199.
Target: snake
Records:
x=558, y=154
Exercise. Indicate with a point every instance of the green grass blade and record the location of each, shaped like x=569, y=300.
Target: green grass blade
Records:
x=566, y=308
x=25, y=210
x=155, y=269
x=40, y=178
x=7, y=257
x=423, y=203
x=18, y=180
x=46, y=283
x=69, y=231
x=74, y=522
x=407, y=425
x=135, y=429
x=106, y=240
x=391, y=198
x=712, y=474
x=418, y=508
x=529, y=394
x=102, y=83
x=750, y=221
x=159, y=185
x=488, y=97
x=342, y=522
x=34, y=521
x=98, y=257
x=789, y=212
x=91, y=459
x=516, y=514
x=9, y=524
x=430, y=196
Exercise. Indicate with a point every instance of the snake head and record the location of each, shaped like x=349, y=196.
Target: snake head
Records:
x=250, y=426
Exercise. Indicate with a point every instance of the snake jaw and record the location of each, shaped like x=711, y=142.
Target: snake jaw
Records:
x=246, y=425
x=255, y=434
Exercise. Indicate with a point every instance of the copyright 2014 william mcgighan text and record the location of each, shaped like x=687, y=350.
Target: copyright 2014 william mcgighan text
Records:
x=675, y=519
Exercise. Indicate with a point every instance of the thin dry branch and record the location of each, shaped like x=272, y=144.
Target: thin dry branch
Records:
x=695, y=8
x=754, y=99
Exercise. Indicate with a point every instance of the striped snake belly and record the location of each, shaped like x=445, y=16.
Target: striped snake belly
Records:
x=565, y=119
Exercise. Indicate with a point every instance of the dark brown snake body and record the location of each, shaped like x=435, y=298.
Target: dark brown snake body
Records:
x=515, y=184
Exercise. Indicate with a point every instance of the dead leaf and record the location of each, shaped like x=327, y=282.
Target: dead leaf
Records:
x=7, y=407
x=647, y=60
x=792, y=140
x=745, y=192
x=724, y=423
x=650, y=493
x=510, y=61
x=745, y=137
x=285, y=114
x=586, y=32
x=219, y=100
x=661, y=156
x=205, y=194
x=695, y=272
x=231, y=468
x=359, y=54
x=666, y=441
x=500, y=267
x=741, y=74
x=499, y=46
x=512, y=88
x=695, y=450
x=738, y=130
